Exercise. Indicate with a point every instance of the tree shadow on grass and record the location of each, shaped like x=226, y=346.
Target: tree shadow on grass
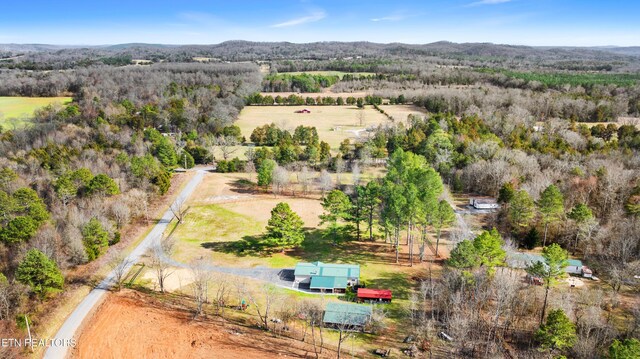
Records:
x=316, y=247
x=242, y=185
x=248, y=246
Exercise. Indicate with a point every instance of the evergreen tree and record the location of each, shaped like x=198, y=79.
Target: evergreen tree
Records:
x=95, y=238
x=551, y=207
x=552, y=269
x=265, y=172
x=371, y=203
x=558, y=332
x=583, y=217
x=506, y=192
x=626, y=349
x=443, y=216
x=284, y=229
x=532, y=238
x=484, y=250
x=103, y=185
x=521, y=209
x=337, y=207
x=39, y=272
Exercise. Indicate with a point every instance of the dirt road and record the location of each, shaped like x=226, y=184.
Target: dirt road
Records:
x=73, y=322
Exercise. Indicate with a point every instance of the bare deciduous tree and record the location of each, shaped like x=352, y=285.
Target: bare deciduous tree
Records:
x=179, y=208
x=223, y=289
x=263, y=302
x=159, y=255
x=355, y=173
x=325, y=182
x=227, y=145
x=201, y=279
x=280, y=180
x=250, y=169
x=121, y=213
x=120, y=265
x=304, y=178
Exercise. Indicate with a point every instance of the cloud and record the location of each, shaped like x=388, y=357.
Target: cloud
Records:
x=390, y=18
x=488, y=2
x=313, y=17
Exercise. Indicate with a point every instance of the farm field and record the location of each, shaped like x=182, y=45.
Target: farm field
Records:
x=21, y=108
x=334, y=123
x=25, y=106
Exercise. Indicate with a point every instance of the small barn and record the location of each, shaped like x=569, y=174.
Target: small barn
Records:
x=374, y=295
x=483, y=203
x=346, y=315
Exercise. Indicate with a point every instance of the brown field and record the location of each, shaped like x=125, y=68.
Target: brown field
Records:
x=326, y=93
x=134, y=325
x=334, y=123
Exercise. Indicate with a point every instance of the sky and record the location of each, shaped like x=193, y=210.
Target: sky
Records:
x=516, y=22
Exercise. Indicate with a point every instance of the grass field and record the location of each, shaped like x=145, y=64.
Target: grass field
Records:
x=330, y=73
x=334, y=123
x=224, y=213
x=15, y=111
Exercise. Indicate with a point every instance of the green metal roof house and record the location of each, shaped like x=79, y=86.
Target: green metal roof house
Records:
x=327, y=276
x=347, y=315
x=523, y=260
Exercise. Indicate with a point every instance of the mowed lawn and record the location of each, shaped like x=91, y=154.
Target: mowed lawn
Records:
x=22, y=108
x=334, y=123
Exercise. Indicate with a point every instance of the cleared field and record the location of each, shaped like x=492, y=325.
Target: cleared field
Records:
x=21, y=108
x=401, y=112
x=334, y=123
x=329, y=73
x=133, y=325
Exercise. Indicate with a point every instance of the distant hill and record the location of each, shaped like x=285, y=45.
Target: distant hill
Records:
x=480, y=54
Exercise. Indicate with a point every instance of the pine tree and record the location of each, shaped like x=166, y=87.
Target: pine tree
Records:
x=626, y=349
x=284, y=229
x=337, y=208
x=558, y=332
x=521, y=209
x=551, y=206
x=39, y=272
x=95, y=238
x=443, y=216
x=552, y=269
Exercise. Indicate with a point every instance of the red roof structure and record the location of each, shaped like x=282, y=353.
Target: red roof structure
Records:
x=366, y=293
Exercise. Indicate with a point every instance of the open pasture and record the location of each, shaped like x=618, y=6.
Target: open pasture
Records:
x=14, y=111
x=334, y=123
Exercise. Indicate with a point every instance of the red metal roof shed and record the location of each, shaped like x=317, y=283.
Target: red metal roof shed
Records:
x=366, y=293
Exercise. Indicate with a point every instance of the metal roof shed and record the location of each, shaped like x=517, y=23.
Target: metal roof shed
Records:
x=346, y=314
x=366, y=293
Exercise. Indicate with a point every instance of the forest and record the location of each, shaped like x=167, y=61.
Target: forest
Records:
x=551, y=133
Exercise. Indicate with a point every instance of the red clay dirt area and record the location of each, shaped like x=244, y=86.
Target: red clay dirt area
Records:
x=130, y=324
